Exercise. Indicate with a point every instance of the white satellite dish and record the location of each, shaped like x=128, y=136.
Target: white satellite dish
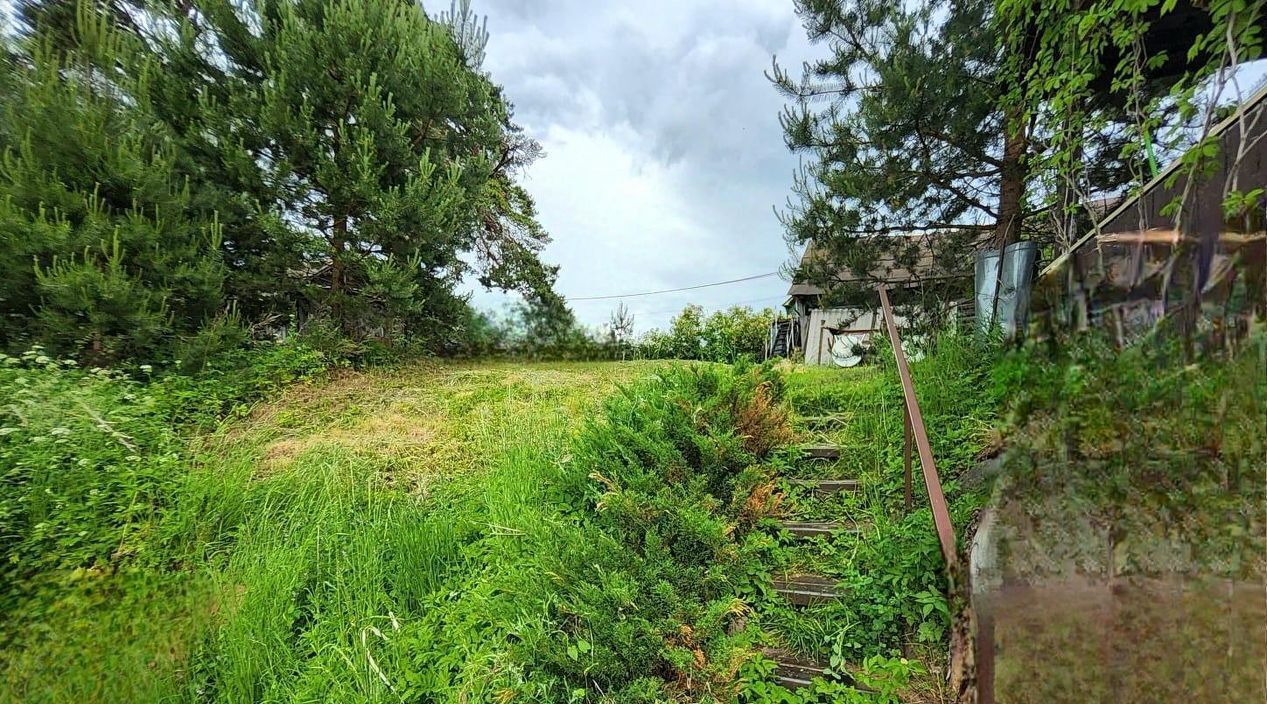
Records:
x=913, y=348
x=842, y=349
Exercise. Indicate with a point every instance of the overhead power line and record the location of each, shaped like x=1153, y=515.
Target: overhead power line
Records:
x=717, y=307
x=673, y=290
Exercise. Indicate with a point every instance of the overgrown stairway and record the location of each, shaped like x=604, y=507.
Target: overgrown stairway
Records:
x=817, y=525
x=804, y=589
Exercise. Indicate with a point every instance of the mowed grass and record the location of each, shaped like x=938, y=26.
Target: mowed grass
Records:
x=358, y=540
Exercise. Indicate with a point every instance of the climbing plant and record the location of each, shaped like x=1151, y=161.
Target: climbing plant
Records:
x=1169, y=68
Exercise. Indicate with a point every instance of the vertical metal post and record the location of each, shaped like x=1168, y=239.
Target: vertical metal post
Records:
x=985, y=652
x=985, y=586
x=928, y=466
x=906, y=454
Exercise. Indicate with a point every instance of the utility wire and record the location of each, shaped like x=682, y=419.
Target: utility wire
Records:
x=673, y=290
x=713, y=307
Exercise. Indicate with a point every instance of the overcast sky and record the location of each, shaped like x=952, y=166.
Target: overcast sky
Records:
x=664, y=154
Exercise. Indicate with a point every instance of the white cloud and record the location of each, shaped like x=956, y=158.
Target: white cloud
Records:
x=664, y=156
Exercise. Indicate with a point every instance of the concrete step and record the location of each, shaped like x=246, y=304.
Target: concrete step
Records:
x=807, y=589
x=821, y=452
x=793, y=671
x=815, y=529
x=827, y=486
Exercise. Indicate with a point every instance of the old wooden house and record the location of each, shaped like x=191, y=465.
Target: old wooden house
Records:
x=832, y=328
x=1137, y=265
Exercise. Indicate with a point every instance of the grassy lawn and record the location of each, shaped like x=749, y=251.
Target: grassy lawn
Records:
x=462, y=533
x=313, y=543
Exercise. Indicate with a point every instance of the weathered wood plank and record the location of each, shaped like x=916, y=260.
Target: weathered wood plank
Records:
x=807, y=589
x=815, y=529
x=793, y=671
x=827, y=486
x=821, y=452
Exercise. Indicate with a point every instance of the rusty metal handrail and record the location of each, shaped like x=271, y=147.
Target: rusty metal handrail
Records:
x=915, y=427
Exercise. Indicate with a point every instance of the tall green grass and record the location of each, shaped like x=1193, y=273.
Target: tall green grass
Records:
x=309, y=553
x=96, y=602
x=481, y=533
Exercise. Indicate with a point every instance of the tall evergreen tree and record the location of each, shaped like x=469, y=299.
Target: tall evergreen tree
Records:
x=908, y=132
x=105, y=252
x=904, y=131
x=397, y=156
x=358, y=161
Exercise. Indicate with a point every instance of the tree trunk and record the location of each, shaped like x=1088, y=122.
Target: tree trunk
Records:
x=1011, y=191
x=337, y=275
x=336, y=257
x=1012, y=184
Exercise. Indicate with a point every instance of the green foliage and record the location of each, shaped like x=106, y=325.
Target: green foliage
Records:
x=227, y=385
x=609, y=573
x=728, y=336
x=661, y=471
x=1166, y=455
x=397, y=156
x=629, y=561
x=91, y=458
x=903, y=172
x=88, y=458
x=879, y=680
x=890, y=566
x=169, y=167
x=533, y=331
x=1126, y=80
x=894, y=150
x=107, y=250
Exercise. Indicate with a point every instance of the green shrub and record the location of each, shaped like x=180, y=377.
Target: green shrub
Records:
x=87, y=458
x=1166, y=453
x=232, y=380
x=90, y=458
x=660, y=483
x=108, y=250
x=532, y=332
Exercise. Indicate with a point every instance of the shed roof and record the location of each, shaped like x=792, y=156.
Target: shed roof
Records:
x=887, y=270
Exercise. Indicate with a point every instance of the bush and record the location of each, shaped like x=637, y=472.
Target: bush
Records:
x=228, y=383
x=662, y=482
x=532, y=332
x=1164, y=454
x=89, y=458
x=725, y=336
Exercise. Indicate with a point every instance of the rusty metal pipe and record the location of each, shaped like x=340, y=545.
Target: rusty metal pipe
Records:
x=936, y=498
x=906, y=457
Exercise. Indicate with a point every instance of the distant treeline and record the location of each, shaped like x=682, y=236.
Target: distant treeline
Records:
x=737, y=333
x=181, y=177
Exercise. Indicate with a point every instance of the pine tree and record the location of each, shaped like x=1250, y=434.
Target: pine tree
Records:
x=904, y=131
x=909, y=137
x=105, y=251
x=395, y=157
x=908, y=132
x=353, y=179
x=470, y=34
